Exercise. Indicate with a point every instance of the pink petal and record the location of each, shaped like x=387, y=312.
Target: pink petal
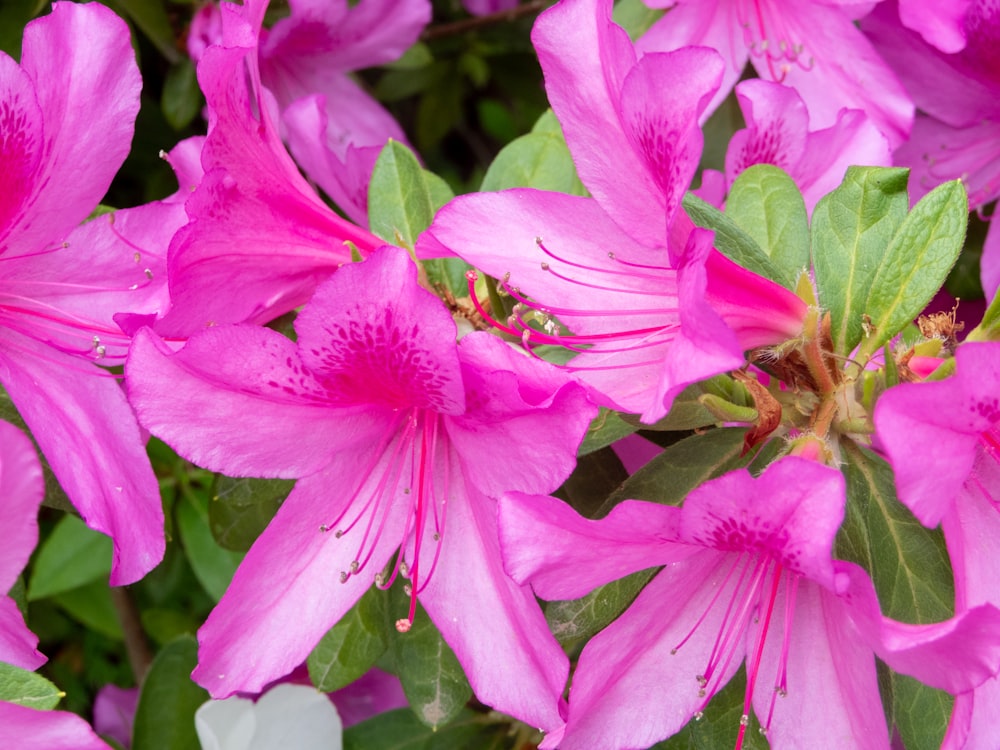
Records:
x=18, y=645
x=777, y=128
x=989, y=263
x=75, y=56
x=237, y=399
x=31, y=729
x=286, y=594
x=495, y=627
x=87, y=431
x=940, y=22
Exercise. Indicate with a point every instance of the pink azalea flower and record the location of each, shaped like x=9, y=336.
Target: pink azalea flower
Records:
x=486, y=7
x=778, y=133
x=22, y=489
x=651, y=305
x=114, y=713
x=333, y=127
x=810, y=45
x=31, y=729
x=748, y=579
x=419, y=433
x=259, y=238
x=943, y=441
x=958, y=136
x=61, y=287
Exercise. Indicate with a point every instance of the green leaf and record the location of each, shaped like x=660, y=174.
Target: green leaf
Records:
x=539, y=159
x=182, y=99
x=607, y=427
x=851, y=228
x=164, y=718
x=71, y=556
x=401, y=730
x=910, y=568
x=92, y=606
x=720, y=725
x=635, y=17
x=241, y=509
x=686, y=413
x=14, y=14
x=669, y=477
x=432, y=678
x=350, y=648
x=27, y=688
x=573, y=619
x=151, y=18
x=766, y=203
x=918, y=260
x=731, y=240
x=400, y=204
x=213, y=565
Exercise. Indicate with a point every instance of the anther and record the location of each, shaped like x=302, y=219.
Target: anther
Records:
x=338, y=533
x=344, y=576
x=355, y=566
x=403, y=626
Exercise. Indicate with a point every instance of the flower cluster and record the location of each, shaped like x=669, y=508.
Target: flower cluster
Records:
x=658, y=436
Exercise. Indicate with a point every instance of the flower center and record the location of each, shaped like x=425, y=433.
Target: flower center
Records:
x=768, y=36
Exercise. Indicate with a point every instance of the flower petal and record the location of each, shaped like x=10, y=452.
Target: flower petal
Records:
x=32, y=729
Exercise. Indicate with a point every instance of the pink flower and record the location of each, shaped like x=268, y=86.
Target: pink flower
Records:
x=67, y=117
x=418, y=433
x=31, y=729
x=749, y=579
x=651, y=306
x=943, y=441
x=810, y=45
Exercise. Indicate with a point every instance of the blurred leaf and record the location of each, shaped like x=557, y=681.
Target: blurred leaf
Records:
x=401, y=730
x=213, y=565
x=596, y=476
x=71, y=556
x=720, y=725
x=439, y=109
x=539, y=159
x=182, y=99
x=909, y=566
x=165, y=625
x=151, y=18
x=164, y=718
x=669, y=477
x=241, y=509
x=417, y=56
x=851, y=228
x=731, y=240
x=14, y=14
x=350, y=648
x=917, y=262
x=635, y=17
x=606, y=428
x=399, y=196
x=766, y=203
x=686, y=413
x=27, y=688
x=92, y=606
x=432, y=678
x=573, y=619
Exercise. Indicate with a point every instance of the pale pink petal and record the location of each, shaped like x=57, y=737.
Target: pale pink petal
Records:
x=114, y=712
x=238, y=399
x=79, y=416
x=286, y=593
x=940, y=22
x=482, y=613
x=565, y=556
x=75, y=56
x=777, y=128
x=31, y=729
x=635, y=451
x=989, y=263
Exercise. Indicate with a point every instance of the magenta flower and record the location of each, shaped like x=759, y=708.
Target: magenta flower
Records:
x=943, y=441
x=778, y=133
x=958, y=134
x=650, y=304
x=31, y=729
x=259, y=238
x=68, y=112
x=748, y=579
x=419, y=433
x=810, y=45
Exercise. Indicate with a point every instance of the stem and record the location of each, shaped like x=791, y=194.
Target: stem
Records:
x=139, y=654
x=471, y=24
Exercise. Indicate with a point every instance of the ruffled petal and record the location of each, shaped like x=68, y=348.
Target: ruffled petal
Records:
x=939, y=22
x=31, y=729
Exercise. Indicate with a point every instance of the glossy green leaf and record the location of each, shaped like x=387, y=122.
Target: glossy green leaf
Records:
x=151, y=18
x=27, y=688
x=400, y=204
x=607, y=427
x=686, y=413
x=213, y=565
x=71, y=556
x=596, y=476
x=851, y=229
x=432, y=678
x=164, y=718
x=766, y=203
x=918, y=259
x=635, y=17
x=574, y=619
x=912, y=575
x=182, y=99
x=92, y=605
x=350, y=648
x=539, y=159
x=731, y=240
x=240, y=509
x=401, y=730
